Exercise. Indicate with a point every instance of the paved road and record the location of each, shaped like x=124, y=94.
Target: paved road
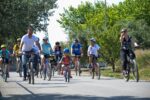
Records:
x=80, y=88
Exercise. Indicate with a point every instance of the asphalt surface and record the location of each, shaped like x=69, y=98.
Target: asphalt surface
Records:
x=80, y=88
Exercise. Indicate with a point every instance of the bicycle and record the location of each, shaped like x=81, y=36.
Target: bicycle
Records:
x=30, y=68
x=19, y=65
x=4, y=68
x=66, y=72
x=47, y=68
x=95, y=68
x=131, y=67
x=77, y=65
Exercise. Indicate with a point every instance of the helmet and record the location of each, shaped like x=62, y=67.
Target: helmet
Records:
x=92, y=39
x=123, y=30
x=3, y=46
x=66, y=50
x=18, y=39
x=76, y=40
x=57, y=43
x=45, y=38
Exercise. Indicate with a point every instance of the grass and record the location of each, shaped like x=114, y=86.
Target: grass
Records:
x=143, y=61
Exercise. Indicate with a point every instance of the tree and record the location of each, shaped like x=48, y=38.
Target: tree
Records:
x=16, y=15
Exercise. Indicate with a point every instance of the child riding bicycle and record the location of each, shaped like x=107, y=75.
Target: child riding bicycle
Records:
x=4, y=56
x=66, y=60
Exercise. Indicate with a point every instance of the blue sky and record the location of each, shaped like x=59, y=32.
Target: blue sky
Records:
x=55, y=32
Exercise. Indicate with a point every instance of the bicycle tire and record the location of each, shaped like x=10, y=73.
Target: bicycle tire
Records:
x=93, y=73
x=5, y=72
x=99, y=72
x=135, y=71
x=29, y=73
x=49, y=72
x=20, y=69
x=128, y=73
x=32, y=72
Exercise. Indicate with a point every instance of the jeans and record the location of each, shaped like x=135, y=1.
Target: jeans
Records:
x=25, y=59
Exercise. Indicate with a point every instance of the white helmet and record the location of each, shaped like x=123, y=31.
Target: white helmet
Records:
x=93, y=39
x=45, y=38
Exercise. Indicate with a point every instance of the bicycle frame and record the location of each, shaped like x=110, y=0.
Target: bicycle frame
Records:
x=5, y=71
x=30, y=69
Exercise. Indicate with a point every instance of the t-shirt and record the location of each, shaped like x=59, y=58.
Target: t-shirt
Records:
x=65, y=60
x=16, y=49
x=28, y=42
x=57, y=50
x=76, y=48
x=93, y=50
x=46, y=48
x=5, y=53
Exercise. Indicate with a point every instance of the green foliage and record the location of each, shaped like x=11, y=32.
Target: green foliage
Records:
x=105, y=22
x=16, y=15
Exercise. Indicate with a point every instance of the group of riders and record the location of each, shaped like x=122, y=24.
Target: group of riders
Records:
x=30, y=43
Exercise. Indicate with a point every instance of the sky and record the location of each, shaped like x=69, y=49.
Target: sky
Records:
x=55, y=31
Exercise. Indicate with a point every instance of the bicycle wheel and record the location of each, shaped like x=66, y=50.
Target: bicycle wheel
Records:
x=127, y=76
x=20, y=68
x=32, y=72
x=99, y=72
x=93, y=72
x=79, y=69
x=49, y=72
x=135, y=70
x=5, y=72
x=29, y=72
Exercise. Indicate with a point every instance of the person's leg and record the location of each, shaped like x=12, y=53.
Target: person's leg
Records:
x=35, y=61
x=24, y=61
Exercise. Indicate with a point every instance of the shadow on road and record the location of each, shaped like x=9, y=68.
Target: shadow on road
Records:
x=66, y=97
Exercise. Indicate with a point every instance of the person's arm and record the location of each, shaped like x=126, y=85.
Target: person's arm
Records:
x=121, y=38
x=20, y=47
x=71, y=49
x=38, y=44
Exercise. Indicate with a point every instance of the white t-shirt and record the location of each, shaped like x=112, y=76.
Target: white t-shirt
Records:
x=93, y=50
x=28, y=42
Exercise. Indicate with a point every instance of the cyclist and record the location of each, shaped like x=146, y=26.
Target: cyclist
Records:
x=58, y=55
x=16, y=51
x=93, y=51
x=58, y=51
x=4, y=55
x=126, y=48
x=66, y=60
x=76, y=50
x=46, y=49
x=26, y=46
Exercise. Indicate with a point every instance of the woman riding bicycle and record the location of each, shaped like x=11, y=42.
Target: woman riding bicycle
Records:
x=93, y=51
x=46, y=49
x=126, y=48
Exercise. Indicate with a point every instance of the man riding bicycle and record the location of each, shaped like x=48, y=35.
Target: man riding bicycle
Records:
x=93, y=51
x=76, y=51
x=26, y=47
x=58, y=51
x=126, y=48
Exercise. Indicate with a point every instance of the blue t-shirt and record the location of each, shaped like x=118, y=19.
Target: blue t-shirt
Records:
x=5, y=53
x=76, y=48
x=46, y=49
